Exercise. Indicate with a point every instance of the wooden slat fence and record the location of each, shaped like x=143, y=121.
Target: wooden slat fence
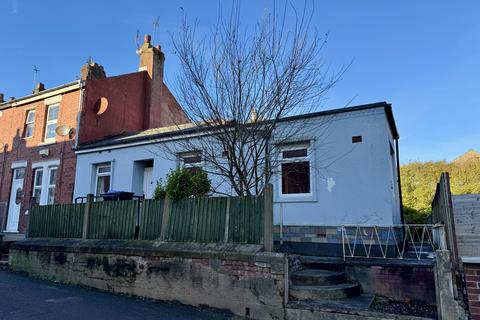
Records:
x=210, y=220
x=246, y=220
x=56, y=221
x=151, y=219
x=198, y=220
x=113, y=220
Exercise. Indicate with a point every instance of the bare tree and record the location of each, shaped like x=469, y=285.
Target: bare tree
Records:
x=236, y=87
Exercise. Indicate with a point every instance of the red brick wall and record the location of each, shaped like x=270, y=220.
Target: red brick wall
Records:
x=472, y=274
x=126, y=106
x=128, y=109
x=12, y=123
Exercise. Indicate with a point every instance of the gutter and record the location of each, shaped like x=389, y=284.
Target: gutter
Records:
x=40, y=95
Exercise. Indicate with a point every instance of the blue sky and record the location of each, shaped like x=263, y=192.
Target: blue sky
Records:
x=421, y=56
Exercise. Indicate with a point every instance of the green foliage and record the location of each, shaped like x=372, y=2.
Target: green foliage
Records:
x=160, y=191
x=183, y=183
x=419, y=182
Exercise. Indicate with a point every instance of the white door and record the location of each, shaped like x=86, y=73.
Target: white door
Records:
x=148, y=186
x=16, y=197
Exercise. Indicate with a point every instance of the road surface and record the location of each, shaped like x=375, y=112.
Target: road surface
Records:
x=26, y=298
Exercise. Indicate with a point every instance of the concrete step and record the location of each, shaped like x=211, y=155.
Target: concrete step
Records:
x=337, y=291
x=323, y=263
x=317, y=277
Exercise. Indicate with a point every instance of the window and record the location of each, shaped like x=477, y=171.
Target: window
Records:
x=103, y=178
x=29, y=124
x=52, y=178
x=192, y=161
x=44, y=181
x=295, y=170
x=51, y=124
x=37, y=185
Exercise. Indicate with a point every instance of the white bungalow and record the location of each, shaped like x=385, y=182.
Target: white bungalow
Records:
x=350, y=170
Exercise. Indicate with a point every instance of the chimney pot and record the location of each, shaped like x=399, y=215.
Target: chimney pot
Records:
x=1, y=98
x=91, y=70
x=38, y=87
x=147, y=38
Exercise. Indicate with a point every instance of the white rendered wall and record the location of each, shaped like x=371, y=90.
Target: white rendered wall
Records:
x=353, y=183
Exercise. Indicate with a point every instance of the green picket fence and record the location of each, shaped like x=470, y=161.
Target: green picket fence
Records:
x=210, y=220
x=113, y=220
x=56, y=221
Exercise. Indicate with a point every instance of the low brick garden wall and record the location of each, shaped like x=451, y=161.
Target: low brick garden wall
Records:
x=239, y=278
x=472, y=277
x=398, y=280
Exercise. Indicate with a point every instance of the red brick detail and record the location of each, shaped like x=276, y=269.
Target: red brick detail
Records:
x=12, y=122
x=472, y=272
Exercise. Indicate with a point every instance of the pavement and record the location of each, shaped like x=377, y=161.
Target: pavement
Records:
x=22, y=297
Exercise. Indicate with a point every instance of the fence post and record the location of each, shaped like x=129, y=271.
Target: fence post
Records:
x=227, y=221
x=268, y=218
x=86, y=215
x=165, y=218
x=32, y=202
x=444, y=288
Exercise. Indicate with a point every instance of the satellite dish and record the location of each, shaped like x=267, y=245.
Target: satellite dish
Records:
x=63, y=130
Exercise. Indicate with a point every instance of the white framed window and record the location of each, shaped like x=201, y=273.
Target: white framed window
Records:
x=44, y=181
x=29, y=124
x=103, y=178
x=51, y=123
x=295, y=170
x=44, y=185
x=37, y=184
x=192, y=161
x=52, y=181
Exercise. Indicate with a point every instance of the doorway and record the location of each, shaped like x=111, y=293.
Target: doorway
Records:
x=16, y=197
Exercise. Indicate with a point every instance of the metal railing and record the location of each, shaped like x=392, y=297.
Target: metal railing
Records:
x=404, y=241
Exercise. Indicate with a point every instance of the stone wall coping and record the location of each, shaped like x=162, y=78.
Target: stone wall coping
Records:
x=240, y=252
x=470, y=259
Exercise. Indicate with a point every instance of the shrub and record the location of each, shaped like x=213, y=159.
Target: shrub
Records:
x=182, y=183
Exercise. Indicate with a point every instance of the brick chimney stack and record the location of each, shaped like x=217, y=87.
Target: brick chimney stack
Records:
x=91, y=71
x=152, y=61
x=38, y=88
x=1, y=97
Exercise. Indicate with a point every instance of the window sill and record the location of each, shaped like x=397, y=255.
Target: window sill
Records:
x=46, y=143
x=295, y=198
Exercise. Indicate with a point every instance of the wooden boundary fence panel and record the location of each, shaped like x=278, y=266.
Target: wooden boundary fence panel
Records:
x=246, y=220
x=214, y=220
x=113, y=220
x=151, y=219
x=56, y=221
x=197, y=220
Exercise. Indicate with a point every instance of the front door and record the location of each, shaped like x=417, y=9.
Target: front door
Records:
x=148, y=186
x=16, y=197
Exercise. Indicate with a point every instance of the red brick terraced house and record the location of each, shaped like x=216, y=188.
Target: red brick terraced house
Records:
x=38, y=132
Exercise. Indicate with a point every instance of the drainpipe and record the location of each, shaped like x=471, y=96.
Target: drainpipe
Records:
x=399, y=181
x=81, y=84
x=5, y=146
